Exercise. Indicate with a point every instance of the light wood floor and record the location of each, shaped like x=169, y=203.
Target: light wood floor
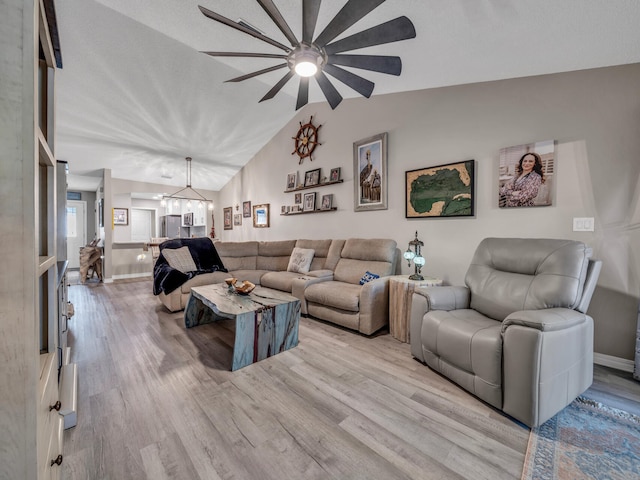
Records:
x=157, y=401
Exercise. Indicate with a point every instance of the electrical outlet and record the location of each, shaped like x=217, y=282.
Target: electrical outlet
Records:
x=583, y=224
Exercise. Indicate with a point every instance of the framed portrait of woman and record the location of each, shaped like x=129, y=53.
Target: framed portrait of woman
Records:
x=526, y=175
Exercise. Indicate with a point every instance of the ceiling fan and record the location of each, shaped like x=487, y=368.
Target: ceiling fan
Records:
x=308, y=57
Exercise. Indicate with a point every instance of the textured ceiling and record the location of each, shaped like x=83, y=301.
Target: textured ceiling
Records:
x=136, y=96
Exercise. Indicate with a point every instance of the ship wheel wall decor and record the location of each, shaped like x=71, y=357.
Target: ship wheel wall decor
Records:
x=318, y=58
x=306, y=140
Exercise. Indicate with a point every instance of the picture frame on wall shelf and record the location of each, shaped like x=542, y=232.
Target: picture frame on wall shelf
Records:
x=261, y=216
x=441, y=191
x=295, y=209
x=298, y=198
x=526, y=175
x=370, y=173
x=309, y=202
x=292, y=180
x=246, y=209
x=237, y=219
x=227, y=214
x=335, y=175
x=121, y=216
x=327, y=202
x=312, y=177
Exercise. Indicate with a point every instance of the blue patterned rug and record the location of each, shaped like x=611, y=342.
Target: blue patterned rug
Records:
x=585, y=440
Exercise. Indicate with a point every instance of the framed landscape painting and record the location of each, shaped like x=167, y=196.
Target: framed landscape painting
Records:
x=441, y=191
x=370, y=173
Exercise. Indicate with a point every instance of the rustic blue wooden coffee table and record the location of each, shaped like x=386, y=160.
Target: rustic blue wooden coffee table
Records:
x=266, y=320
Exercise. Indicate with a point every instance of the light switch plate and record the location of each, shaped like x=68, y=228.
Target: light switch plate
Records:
x=583, y=224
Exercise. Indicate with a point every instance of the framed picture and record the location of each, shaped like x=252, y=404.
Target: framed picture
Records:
x=261, y=216
x=327, y=201
x=227, y=213
x=292, y=180
x=237, y=219
x=295, y=209
x=440, y=191
x=246, y=209
x=370, y=173
x=121, y=216
x=187, y=219
x=309, y=202
x=526, y=174
x=312, y=177
x=298, y=198
x=335, y=175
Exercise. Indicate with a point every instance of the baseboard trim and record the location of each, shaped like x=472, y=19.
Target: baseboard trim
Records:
x=613, y=362
x=131, y=275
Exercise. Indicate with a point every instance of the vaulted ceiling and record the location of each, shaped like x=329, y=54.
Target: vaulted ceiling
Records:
x=135, y=94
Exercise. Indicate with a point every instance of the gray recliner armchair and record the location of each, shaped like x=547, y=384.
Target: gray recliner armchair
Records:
x=517, y=335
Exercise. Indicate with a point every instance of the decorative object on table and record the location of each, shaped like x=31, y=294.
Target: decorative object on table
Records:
x=335, y=174
x=187, y=193
x=237, y=219
x=231, y=283
x=310, y=57
x=121, y=216
x=525, y=175
x=312, y=177
x=440, y=191
x=227, y=212
x=415, y=256
x=246, y=209
x=187, y=219
x=298, y=198
x=244, y=288
x=370, y=173
x=261, y=216
x=327, y=201
x=585, y=440
x=292, y=180
x=306, y=140
x=309, y=201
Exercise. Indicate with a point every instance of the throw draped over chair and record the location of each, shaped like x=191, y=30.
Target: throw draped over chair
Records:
x=517, y=335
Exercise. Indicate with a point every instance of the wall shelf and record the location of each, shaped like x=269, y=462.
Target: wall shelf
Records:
x=323, y=184
x=309, y=211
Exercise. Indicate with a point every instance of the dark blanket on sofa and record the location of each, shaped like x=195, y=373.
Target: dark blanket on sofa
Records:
x=205, y=256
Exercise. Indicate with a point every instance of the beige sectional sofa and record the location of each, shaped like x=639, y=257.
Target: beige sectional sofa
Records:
x=329, y=291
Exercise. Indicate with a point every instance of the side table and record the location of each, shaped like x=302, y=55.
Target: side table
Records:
x=400, y=298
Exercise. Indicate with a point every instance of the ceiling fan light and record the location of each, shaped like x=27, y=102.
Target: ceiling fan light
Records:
x=306, y=68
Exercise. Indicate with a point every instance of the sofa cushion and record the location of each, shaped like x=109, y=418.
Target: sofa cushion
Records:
x=360, y=255
x=367, y=277
x=180, y=259
x=300, y=260
x=238, y=255
x=282, y=281
x=345, y=296
x=321, y=251
x=274, y=255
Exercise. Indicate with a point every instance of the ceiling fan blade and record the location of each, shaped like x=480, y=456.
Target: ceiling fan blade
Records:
x=310, y=9
x=361, y=85
x=333, y=97
x=376, y=63
x=353, y=11
x=277, y=87
x=242, y=54
x=273, y=12
x=303, y=93
x=395, y=30
x=224, y=20
x=255, y=74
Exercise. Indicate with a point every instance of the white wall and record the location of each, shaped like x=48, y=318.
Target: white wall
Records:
x=593, y=115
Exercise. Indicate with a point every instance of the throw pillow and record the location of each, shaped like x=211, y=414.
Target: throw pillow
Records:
x=300, y=260
x=367, y=277
x=180, y=259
